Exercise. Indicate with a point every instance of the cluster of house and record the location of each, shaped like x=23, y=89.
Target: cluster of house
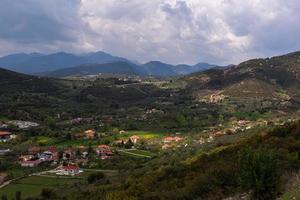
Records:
x=22, y=124
x=170, y=141
x=75, y=156
x=35, y=157
x=241, y=125
x=237, y=126
x=6, y=136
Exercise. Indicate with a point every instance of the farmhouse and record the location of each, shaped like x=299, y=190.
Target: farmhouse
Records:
x=134, y=138
x=70, y=170
x=30, y=163
x=104, y=151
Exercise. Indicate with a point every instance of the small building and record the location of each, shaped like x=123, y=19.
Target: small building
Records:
x=90, y=134
x=218, y=134
x=69, y=154
x=172, y=139
x=70, y=170
x=30, y=163
x=104, y=151
x=5, y=136
x=26, y=158
x=134, y=139
x=201, y=141
x=83, y=150
x=50, y=155
x=4, y=152
x=122, y=132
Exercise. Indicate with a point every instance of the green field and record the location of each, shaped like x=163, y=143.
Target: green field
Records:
x=142, y=134
x=32, y=186
x=47, y=141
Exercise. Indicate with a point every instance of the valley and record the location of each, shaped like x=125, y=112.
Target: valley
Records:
x=199, y=135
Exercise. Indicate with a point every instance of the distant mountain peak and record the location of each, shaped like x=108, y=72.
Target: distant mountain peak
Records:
x=37, y=63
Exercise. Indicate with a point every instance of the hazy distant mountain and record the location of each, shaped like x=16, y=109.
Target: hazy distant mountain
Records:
x=14, y=59
x=156, y=68
x=92, y=69
x=61, y=62
x=38, y=63
x=102, y=57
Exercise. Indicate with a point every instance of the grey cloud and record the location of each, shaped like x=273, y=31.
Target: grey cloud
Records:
x=174, y=31
x=30, y=21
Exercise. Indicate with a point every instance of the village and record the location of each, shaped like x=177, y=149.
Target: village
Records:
x=92, y=150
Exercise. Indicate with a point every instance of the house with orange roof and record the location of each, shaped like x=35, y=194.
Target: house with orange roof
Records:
x=172, y=139
x=134, y=139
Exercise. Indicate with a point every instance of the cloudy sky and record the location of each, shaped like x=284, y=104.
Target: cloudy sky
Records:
x=173, y=31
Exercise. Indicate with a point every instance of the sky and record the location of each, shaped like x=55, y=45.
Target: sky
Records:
x=172, y=31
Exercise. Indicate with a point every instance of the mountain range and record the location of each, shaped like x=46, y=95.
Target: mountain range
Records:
x=66, y=64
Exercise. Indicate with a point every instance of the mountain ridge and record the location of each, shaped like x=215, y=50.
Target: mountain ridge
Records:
x=36, y=63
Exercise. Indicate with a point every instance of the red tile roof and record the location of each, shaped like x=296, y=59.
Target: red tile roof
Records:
x=4, y=133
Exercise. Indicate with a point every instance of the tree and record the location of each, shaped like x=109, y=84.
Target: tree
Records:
x=129, y=144
x=95, y=177
x=4, y=197
x=259, y=172
x=48, y=193
x=18, y=195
